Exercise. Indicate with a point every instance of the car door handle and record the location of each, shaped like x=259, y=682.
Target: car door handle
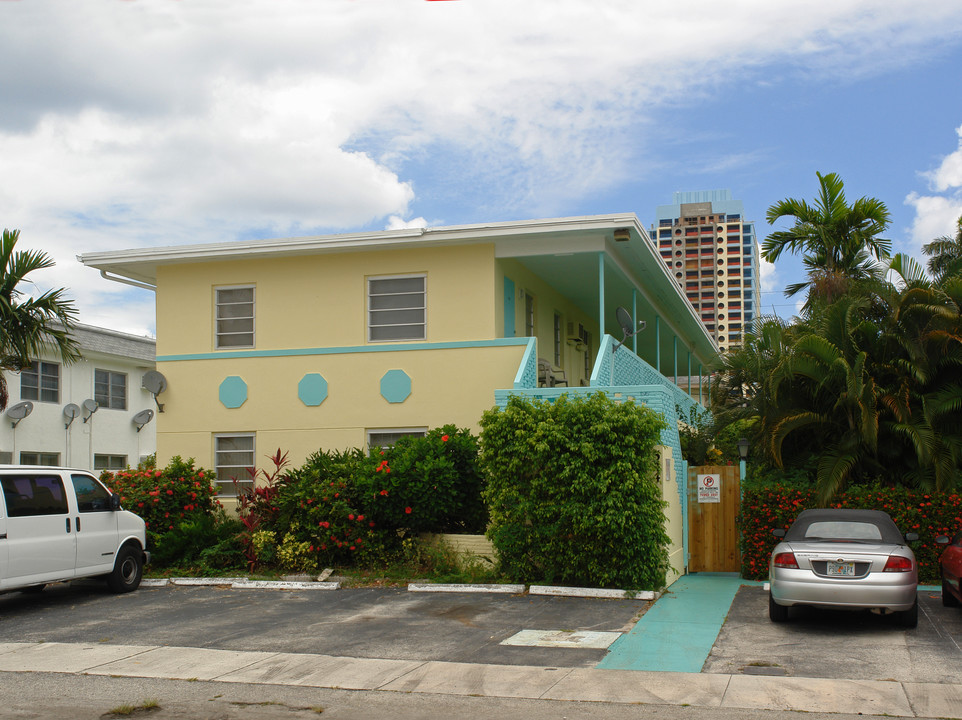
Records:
x=3, y=536
x=77, y=524
x=68, y=526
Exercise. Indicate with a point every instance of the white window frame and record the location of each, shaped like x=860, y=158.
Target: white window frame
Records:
x=109, y=399
x=109, y=461
x=36, y=371
x=225, y=485
x=44, y=459
x=412, y=431
x=252, y=318
x=424, y=308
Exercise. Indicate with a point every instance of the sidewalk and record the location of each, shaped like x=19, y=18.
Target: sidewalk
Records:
x=545, y=683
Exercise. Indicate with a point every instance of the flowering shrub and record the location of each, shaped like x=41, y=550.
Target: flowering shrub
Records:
x=319, y=508
x=167, y=498
x=765, y=508
x=573, y=492
x=427, y=484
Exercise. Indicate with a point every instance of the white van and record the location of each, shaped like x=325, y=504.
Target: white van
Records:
x=59, y=524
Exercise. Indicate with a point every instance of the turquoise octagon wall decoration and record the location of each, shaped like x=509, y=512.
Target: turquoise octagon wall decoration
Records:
x=312, y=389
x=395, y=386
x=233, y=392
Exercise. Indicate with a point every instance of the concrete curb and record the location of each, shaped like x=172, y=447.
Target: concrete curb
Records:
x=592, y=592
x=507, y=589
x=454, y=588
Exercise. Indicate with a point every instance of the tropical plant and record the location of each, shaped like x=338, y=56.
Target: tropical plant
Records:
x=29, y=325
x=945, y=255
x=839, y=242
x=863, y=390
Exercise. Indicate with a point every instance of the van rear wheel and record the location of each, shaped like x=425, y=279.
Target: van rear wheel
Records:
x=128, y=569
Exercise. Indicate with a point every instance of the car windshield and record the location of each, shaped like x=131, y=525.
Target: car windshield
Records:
x=846, y=531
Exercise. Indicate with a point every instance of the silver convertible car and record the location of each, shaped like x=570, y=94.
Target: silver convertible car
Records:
x=844, y=560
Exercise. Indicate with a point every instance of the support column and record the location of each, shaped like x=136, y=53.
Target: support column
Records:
x=601, y=297
x=658, y=343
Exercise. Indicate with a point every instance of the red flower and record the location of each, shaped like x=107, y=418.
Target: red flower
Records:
x=407, y=510
x=444, y=438
x=351, y=516
x=384, y=492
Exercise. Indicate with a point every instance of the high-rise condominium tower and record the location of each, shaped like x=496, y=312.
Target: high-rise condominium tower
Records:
x=713, y=254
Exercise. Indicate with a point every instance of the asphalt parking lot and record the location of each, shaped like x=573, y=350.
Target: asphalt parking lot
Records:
x=401, y=625
x=837, y=644
x=362, y=623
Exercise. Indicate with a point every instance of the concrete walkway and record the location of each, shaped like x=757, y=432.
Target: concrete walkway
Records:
x=545, y=683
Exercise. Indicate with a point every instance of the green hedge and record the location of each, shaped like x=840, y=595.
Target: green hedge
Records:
x=573, y=492
x=765, y=508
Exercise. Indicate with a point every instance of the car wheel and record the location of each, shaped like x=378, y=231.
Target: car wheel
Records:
x=909, y=618
x=128, y=569
x=776, y=613
x=948, y=599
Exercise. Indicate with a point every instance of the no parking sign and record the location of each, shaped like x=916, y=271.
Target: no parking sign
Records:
x=709, y=488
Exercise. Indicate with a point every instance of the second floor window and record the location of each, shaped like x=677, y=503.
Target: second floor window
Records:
x=41, y=381
x=235, y=317
x=396, y=308
x=110, y=389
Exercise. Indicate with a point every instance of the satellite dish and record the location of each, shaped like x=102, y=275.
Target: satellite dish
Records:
x=627, y=325
x=18, y=412
x=142, y=418
x=624, y=320
x=70, y=412
x=90, y=407
x=155, y=383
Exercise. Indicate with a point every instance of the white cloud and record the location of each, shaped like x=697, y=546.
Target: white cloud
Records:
x=936, y=215
x=130, y=124
x=398, y=223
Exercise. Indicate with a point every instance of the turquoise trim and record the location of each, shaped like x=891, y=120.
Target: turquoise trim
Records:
x=509, y=330
x=392, y=347
x=396, y=386
x=312, y=389
x=232, y=392
x=527, y=375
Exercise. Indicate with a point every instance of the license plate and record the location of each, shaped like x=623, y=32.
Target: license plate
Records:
x=841, y=569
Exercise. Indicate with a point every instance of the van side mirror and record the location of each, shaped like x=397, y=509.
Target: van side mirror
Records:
x=114, y=501
x=942, y=540
x=911, y=537
x=779, y=532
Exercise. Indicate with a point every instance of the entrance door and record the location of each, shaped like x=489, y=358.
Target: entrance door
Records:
x=714, y=493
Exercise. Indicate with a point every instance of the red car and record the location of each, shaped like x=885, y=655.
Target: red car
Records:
x=951, y=563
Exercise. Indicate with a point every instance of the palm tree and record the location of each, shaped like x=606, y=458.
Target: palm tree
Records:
x=29, y=325
x=839, y=243
x=865, y=389
x=945, y=255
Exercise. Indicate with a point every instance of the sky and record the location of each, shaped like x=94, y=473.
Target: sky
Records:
x=137, y=123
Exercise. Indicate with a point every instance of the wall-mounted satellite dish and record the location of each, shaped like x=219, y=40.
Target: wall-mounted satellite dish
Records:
x=18, y=412
x=627, y=325
x=70, y=413
x=155, y=383
x=142, y=418
x=90, y=407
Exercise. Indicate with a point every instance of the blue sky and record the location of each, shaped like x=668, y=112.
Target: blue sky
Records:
x=163, y=122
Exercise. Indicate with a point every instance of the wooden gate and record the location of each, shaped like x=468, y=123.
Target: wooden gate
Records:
x=714, y=493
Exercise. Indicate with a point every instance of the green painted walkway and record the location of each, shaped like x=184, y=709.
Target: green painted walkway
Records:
x=679, y=630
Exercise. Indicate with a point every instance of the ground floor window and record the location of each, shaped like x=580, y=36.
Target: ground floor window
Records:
x=386, y=437
x=234, y=461
x=48, y=459
x=110, y=462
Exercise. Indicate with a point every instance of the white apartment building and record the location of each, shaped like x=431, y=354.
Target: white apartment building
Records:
x=92, y=414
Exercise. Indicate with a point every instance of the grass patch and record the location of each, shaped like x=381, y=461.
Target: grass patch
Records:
x=147, y=706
